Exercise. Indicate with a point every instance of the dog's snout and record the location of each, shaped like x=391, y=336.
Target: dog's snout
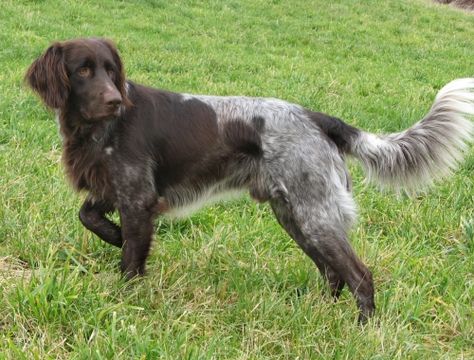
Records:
x=114, y=101
x=112, y=97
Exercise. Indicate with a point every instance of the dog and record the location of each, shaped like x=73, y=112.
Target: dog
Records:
x=147, y=152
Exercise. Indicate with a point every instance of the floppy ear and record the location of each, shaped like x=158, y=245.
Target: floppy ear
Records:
x=120, y=82
x=48, y=77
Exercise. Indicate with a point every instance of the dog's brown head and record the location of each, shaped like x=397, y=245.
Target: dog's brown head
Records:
x=84, y=75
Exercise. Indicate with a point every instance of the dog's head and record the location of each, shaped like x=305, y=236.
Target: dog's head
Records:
x=84, y=75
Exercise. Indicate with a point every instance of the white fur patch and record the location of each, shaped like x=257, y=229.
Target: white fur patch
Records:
x=186, y=97
x=56, y=119
x=274, y=111
x=207, y=197
x=431, y=149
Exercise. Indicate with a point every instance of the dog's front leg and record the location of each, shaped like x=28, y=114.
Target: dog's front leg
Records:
x=92, y=216
x=137, y=232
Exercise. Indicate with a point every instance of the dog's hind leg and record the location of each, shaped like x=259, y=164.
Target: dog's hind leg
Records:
x=335, y=282
x=331, y=252
x=285, y=219
x=92, y=216
x=308, y=184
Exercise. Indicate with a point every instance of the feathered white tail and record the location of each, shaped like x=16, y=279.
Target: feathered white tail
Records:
x=429, y=150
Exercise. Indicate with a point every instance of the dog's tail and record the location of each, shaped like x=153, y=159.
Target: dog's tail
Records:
x=431, y=149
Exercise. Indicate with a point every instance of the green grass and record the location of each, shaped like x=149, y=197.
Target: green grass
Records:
x=228, y=283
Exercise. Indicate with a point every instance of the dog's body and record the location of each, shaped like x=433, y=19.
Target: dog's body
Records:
x=146, y=152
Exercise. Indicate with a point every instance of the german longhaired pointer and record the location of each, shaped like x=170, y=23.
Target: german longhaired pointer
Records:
x=146, y=152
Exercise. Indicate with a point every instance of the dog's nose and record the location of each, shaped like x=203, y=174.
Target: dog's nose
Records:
x=112, y=98
x=114, y=101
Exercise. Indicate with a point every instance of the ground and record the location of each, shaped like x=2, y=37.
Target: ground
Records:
x=228, y=283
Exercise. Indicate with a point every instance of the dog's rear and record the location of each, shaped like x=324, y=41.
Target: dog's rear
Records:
x=313, y=201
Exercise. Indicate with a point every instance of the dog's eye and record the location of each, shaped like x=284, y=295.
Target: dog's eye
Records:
x=111, y=73
x=84, y=72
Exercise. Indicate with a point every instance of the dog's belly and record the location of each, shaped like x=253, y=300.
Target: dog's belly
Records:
x=180, y=203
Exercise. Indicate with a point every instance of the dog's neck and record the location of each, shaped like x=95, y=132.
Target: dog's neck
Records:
x=73, y=128
x=85, y=151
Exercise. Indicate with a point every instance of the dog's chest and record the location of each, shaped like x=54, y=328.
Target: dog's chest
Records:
x=87, y=168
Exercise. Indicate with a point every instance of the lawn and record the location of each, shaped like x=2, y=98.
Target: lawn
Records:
x=228, y=283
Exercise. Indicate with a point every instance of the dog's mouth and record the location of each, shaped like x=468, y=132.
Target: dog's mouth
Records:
x=108, y=112
x=114, y=110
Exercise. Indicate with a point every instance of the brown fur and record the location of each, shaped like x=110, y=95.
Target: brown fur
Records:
x=140, y=159
x=49, y=78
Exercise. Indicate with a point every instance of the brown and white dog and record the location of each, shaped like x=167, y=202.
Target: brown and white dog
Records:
x=146, y=152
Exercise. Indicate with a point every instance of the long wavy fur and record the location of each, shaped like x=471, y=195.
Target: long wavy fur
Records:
x=429, y=150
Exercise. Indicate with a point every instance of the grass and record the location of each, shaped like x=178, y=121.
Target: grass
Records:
x=228, y=283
